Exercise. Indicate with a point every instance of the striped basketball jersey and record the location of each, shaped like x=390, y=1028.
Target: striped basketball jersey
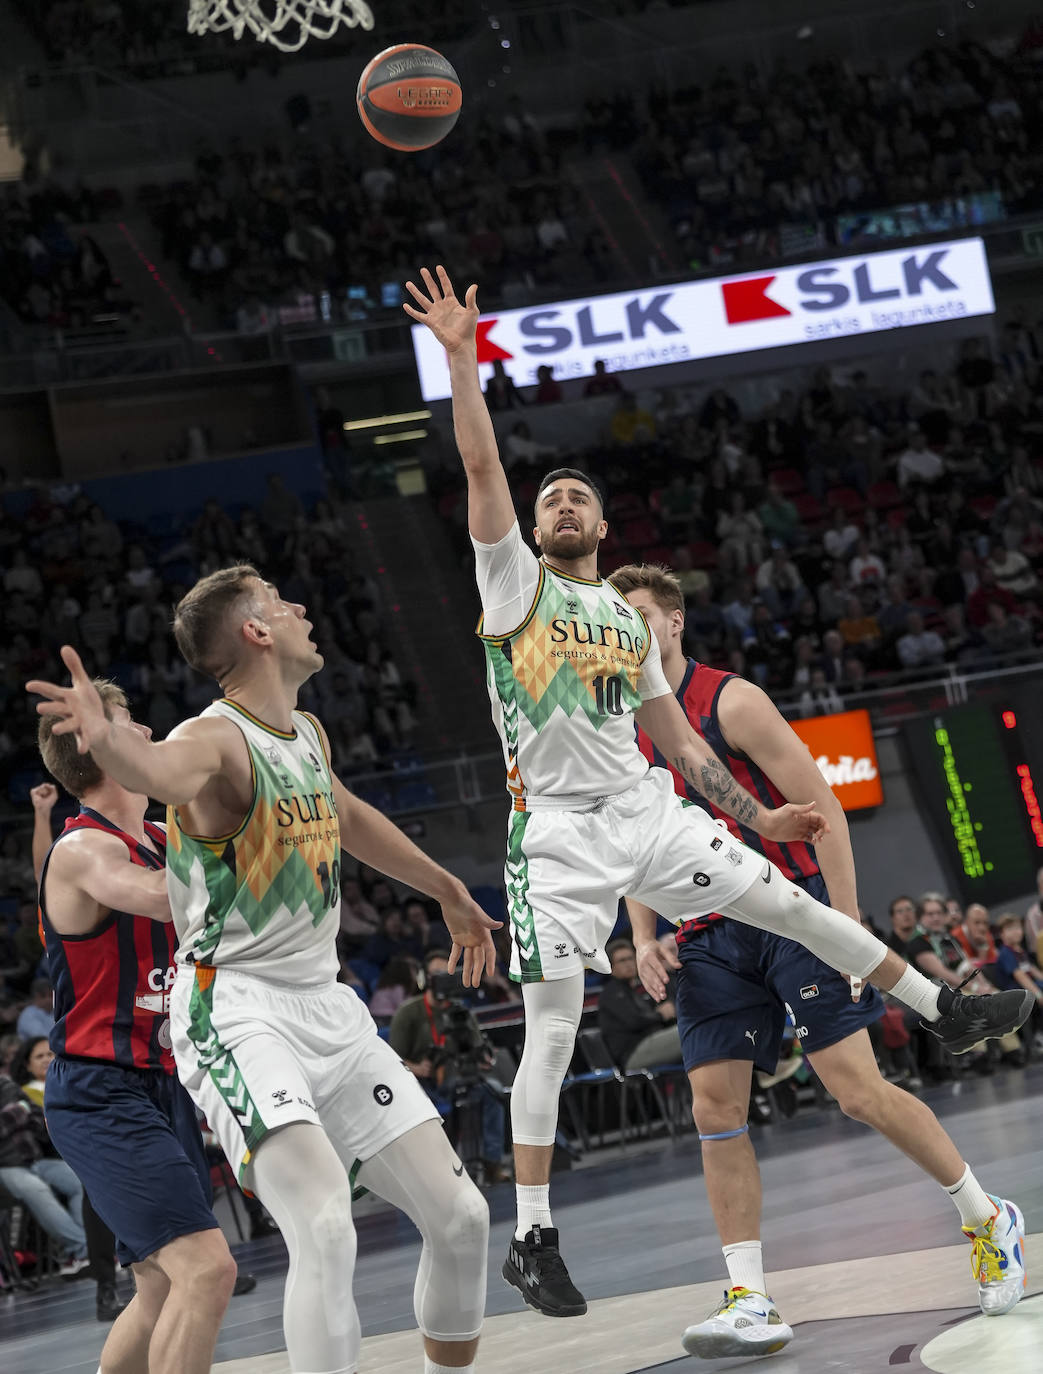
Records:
x=112, y=984
x=564, y=685
x=699, y=694
x=266, y=898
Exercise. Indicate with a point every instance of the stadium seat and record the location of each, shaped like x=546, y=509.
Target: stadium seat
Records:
x=808, y=508
x=657, y=553
x=366, y=972
x=983, y=506
x=884, y=495
x=703, y=553
x=788, y=480
x=641, y=531
x=847, y=498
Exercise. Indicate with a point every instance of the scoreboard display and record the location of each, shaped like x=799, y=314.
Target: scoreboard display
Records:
x=978, y=779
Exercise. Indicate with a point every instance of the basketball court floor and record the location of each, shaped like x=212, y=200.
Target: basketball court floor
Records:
x=864, y=1253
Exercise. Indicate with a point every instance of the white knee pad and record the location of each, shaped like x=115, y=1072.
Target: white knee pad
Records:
x=449, y=1297
x=552, y=1013
x=418, y=1173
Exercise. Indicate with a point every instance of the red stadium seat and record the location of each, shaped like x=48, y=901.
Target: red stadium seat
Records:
x=628, y=505
x=896, y=518
x=788, y=480
x=808, y=507
x=848, y=498
x=641, y=531
x=884, y=495
x=657, y=553
x=983, y=506
x=704, y=554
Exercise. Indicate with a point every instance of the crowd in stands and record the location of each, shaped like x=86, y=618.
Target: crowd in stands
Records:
x=846, y=536
x=50, y=273
x=746, y=166
x=259, y=229
x=73, y=575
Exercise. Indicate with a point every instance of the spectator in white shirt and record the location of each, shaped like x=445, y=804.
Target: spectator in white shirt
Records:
x=779, y=583
x=918, y=463
x=866, y=566
x=919, y=648
x=820, y=698
x=840, y=539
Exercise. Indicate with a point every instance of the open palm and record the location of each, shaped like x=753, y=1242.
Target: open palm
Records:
x=452, y=324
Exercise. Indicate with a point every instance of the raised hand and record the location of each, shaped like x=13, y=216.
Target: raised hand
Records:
x=77, y=709
x=795, y=822
x=453, y=325
x=471, y=930
x=43, y=797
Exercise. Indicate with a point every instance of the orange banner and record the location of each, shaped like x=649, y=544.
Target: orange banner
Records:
x=843, y=747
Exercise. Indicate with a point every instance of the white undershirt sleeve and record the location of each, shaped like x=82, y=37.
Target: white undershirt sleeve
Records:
x=508, y=573
x=652, y=682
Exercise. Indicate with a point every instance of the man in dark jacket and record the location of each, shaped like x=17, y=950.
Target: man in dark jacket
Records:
x=631, y=1023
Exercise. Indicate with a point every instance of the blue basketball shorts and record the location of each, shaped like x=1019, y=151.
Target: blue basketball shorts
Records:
x=132, y=1138
x=737, y=986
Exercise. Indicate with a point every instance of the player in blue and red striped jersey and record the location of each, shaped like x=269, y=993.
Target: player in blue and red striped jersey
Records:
x=115, y=1109
x=736, y=984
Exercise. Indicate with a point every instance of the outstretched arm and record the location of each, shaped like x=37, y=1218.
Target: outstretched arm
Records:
x=43, y=799
x=667, y=727
x=174, y=770
x=490, y=509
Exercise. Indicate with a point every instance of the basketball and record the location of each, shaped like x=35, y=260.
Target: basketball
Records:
x=409, y=97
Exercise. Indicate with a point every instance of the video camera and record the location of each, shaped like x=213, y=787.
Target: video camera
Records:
x=465, y=1053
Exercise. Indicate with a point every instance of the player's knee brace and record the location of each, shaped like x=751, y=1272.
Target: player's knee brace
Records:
x=534, y=1097
x=449, y=1299
x=331, y=1231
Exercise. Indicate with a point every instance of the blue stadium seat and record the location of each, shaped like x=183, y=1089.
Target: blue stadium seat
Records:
x=365, y=971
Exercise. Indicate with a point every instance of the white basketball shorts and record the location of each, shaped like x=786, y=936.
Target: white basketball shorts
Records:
x=567, y=868
x=256, y=1054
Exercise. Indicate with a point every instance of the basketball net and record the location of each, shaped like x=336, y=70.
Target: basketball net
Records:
x=286, y=24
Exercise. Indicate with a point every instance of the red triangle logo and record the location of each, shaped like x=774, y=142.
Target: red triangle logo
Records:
x=488, y=350
x=748, y=300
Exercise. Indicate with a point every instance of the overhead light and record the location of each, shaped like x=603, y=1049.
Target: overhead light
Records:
x=401, y=437
x=376, y=420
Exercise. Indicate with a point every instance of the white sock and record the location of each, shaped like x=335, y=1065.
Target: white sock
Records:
x=918, y=992
x=431, y=1368
x=975, y=1206
x=533, y=1207
x=745, y=1265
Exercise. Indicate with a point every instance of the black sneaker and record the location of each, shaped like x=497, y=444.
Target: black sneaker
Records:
x=967, y=1021
x=244, y=1283
x=534, y=1266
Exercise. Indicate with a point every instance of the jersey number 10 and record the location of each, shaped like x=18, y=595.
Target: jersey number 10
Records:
x=608, y=695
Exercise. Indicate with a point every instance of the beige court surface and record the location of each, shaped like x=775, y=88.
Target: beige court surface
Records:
x=626, y=1334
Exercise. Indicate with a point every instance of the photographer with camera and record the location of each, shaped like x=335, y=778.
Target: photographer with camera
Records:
x=438, y=1039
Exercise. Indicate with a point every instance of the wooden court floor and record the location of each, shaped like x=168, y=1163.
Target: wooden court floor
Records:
x=864, y=1254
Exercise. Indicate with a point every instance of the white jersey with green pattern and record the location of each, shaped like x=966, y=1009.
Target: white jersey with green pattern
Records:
x=266, y=898
x=569, y=662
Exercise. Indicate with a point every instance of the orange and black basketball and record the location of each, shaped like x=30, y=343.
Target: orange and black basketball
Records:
x=409, y=97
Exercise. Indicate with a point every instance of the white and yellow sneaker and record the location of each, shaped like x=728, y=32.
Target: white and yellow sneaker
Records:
x=745, y=1323
x=998, y=1259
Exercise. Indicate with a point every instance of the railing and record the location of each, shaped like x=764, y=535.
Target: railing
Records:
x=470, y=779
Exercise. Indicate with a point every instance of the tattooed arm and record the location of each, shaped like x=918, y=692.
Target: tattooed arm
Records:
x=665, y=724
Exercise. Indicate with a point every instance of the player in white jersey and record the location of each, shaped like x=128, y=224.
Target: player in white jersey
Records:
x=570, y=666
x=286, y=1062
